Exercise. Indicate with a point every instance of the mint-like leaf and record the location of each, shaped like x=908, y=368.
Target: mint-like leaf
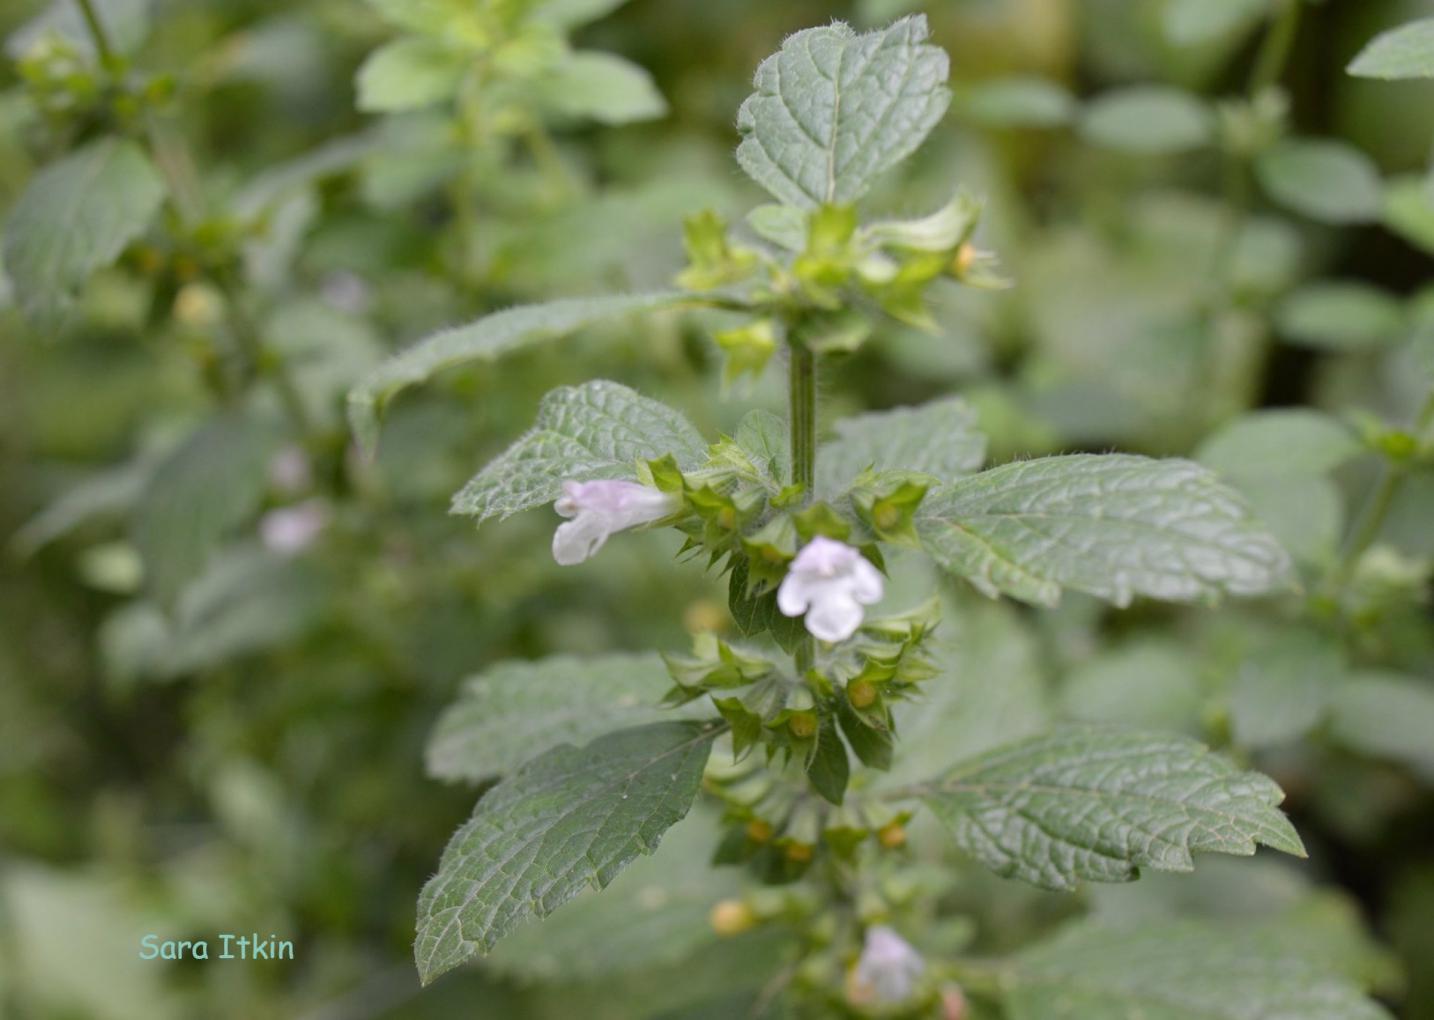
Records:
x=597, y=430
x=571, y=818
x=1114, y=526
x=938, y=439
x=834, y=109
x=1403, y=52
x=1084, y=803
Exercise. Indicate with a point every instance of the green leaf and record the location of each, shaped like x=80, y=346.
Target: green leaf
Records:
x=1114, y=526
x=874, y=748
x=1018, y=102
x=571, y=14
x=1148, y=120
x=1177, y=970
x=1151, y=684
x=834, y=109
x=764, y=438
x=1403, y=52
x=1191, y=22
x=1282, y=689
x=1279, y=443
x=1100, y=805
x=1409, y=211
x=106, y=493
x=76, y=216
x=210, y=485
x=515, y=710
x=1386, y=715
x=758, y=614
x=829, y=768
x=600, y=429
x=1341, y=315
x=571, y=818
x=126, y=23
x=938, y=439
x=1325, y=180
x=487, y=339
x=603, y=87
x=408, y=73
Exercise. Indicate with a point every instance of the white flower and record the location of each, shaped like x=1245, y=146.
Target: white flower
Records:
x=292, y=529
x=600, y=508
x=830, y=582
x=888, y=969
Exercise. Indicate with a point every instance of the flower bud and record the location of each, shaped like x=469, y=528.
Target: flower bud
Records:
x=731, y=917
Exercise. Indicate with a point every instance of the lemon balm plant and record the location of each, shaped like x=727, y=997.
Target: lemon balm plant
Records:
x=790, y=727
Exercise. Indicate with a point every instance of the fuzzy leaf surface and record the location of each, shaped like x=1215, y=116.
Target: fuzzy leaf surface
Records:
x=1403, y=52
x=487, y=339
x=1099, y=805
x=1177, y=970
x=938, y=439
x=600, y=429
x=834, y=109
x=1113, y=526
x=569, y=819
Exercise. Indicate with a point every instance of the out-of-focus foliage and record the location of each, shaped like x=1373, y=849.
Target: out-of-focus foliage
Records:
x=227, y=637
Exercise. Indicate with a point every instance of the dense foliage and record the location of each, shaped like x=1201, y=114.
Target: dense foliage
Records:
x=1041, y=393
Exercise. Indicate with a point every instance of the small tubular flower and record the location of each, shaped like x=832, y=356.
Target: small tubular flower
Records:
x=887, y=971
x=600, y=508
x=829, y=581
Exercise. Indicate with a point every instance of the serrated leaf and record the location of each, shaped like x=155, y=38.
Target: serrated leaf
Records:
x=1403, y=52
x=603, y=87
x=1325, y=180
x=207, y=487
x=406, y=74
x=1099, y=805
x=485, y=340
x=76, y=216
x=763, y=437
x=835, y=109
x=600, y=429
x=571, y=818
x=1341, y=315
x=1114, y=526
x=1148, y=120
x=514, y=710
x=1177, y=970
x=1279, y=443
x=938, y=439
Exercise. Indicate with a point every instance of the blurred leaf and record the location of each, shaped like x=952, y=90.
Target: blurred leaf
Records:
x=126, y=22
x=515, y=710
x=1191, y=22
x=409, y=73
x=570, y=14
x=108, y=493
x=203, y=490
x=1282, y=689
x=1100, y=805
x=1403, y=52
x=597, y=430
x=1409, y=212
x=485, y=340
x=1177, y=970
x=603, y=87
x=1148, y=120
x=1279, y=442
x=76, y=216
x=1113, y=526
x=1151, y=684
x=569, y=818
x=1341, y=315
x=1018, y=102
x=938, y=439
x=822, y=124
x=1328, y=181
x=1388, y=716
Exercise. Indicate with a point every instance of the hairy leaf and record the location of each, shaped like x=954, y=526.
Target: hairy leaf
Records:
x=834, y=109
x=485, y=340
x=1113, y=526
x=514, y=710
x=1178, y=970
x=1099, y=805
x=571, y=818
x=1325, y=180
x=938, y=439
x=597, y=430
x=76, y=216
x=1403, y=52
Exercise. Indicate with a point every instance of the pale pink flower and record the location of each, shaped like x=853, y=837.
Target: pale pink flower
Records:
x=600, y=508
x=829, y=581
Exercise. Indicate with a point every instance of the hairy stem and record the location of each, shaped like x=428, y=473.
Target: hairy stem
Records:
x=802, y=407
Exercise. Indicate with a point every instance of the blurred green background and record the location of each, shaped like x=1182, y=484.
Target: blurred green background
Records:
x=246, y=751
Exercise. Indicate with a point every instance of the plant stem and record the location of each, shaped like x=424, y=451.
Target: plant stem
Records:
x=251, y=346
x=802, y=406
x=1275, y=50
x=97, y=32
